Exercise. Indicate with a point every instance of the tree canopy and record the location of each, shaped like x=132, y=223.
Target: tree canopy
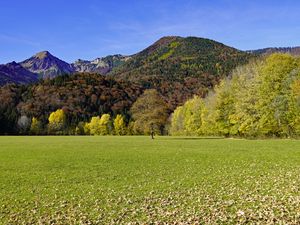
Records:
x=149, y=112
x=260, y=99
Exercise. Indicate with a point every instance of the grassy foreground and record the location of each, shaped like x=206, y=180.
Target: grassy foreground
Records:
x=117, y=180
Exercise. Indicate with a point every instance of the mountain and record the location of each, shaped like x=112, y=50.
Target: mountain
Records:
x=170, y=59
x=181, y=67
x=44, y=65
x=47, y=65
x=102, y=65
x=267, y=51
x=14, y=73
x=179, y=57
x=177, y=67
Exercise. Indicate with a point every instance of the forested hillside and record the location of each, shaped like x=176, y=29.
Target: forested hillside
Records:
x=181, y=67
x=81, y=96
x=235, y=94
x=262, y=99
x=177, y=68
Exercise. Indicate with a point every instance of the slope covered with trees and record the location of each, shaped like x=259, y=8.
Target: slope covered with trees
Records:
x=177, y=68
x=181, y=67
x=262, y=99
x=80, y=96
x=259, y=99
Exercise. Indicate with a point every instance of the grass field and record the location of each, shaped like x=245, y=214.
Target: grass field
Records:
x=117, y=180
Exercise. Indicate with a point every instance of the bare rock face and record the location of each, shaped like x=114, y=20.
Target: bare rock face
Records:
x=101, y=65
x=47, y=65
x=14, y=73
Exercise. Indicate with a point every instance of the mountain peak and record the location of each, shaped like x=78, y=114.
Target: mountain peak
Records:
x=169, y=38
x=43, y=54
x=166, y=40
x=13, y=63
x=47, y=65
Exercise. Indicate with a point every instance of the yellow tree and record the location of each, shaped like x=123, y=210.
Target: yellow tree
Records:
x=119, y=125
x=192, y=116
x=93, y=126
x=57, y=121
x=86, y=128
x=104, y=124
x=177, y=122
x=35, y=127
x=99, y=126
x=186, y=119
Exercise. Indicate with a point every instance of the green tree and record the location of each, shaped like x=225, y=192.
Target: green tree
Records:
x=225, y=98
x=246, y=116
x=276, y=76
x=130, y=128
x=150, y=112
x=294, y=108
x=218, y=109
x=79, y=130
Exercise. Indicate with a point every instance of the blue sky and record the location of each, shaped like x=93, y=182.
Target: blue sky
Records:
x=72, y=29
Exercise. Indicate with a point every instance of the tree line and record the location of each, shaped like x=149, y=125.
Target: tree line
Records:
x=260, y=99
x=148, y=114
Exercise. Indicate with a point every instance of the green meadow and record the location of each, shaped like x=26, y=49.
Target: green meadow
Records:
x=136, y=180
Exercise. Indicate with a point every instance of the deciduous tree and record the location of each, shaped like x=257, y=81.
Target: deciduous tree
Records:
x=119, y=125
x=57, y=121
x=150, y=112
x=24, y=124
x=36, y=126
